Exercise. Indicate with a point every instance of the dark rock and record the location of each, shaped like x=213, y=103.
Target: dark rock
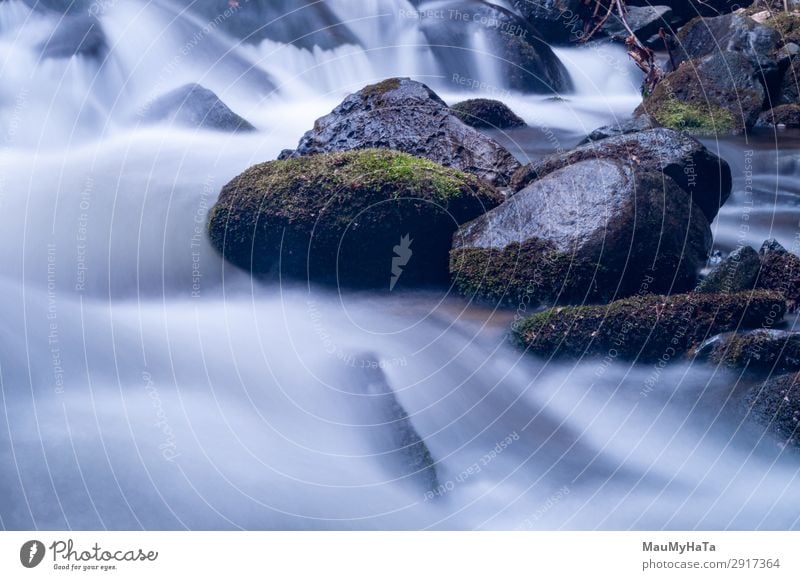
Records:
x=780, y=271
x=644, y=328
x=524, y=61
x=789, y=91
x=703, y=175
x=405, y=115
x=775, y=405
x=771, y=245
x=75, y=35
x=632, y=125
x=645, y=21
x=486, y=114
x=589, y=231
x=370, y=218
x=194, y=106
x=735, y=273
x=303, y=23
x=557, y=20
x=766, y=350
x=729, y=33
x=717, y=94
x=787, y=116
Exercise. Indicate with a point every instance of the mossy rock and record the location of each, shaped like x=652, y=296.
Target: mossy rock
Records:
x=716, y=94
x=764, y=350
x=780, y=271
x=358, y=218
x=775, y=405
x=486, y=114
x=787, y=25
x=735, y=273
x=786, y=116
x=645, y=327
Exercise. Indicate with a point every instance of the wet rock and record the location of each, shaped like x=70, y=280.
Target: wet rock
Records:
x=703, y=175
x=645, y=21
x=524, y=61
x=775, y=405
x=766, y=350
x=369, y=218
x=735, y=33
x=303, y=23
x=721, y=93
x=737, y=272
x=789, y=91
x=632, y=125
x=195, y=106
x=780, y=271
x=557, y=20
x=784, y=116
x=588, y=231
x=486, y=114
x=405, y=115
x=644, y=328
x=77, y=35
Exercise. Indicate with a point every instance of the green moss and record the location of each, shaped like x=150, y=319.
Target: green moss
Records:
x=700, y=119
x=645, y=328
x=533, y=273
x=380, y=88
x=761, y=350
x=338, y=216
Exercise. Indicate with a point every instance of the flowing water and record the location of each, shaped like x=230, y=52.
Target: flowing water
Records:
x=145, y=385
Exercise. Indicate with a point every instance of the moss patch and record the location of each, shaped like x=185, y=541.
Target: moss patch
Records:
x=762, y=350
x=339, y=216
x=646, y=328
x=703, y=119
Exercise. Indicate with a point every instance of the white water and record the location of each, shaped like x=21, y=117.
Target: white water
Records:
x=129, y=402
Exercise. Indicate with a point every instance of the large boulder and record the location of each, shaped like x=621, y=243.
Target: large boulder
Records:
x=646, y=328
x=194, y=106
x=476, y=30
x=557, y=20
x=405, y=115
x=765, y=350
x=644, y=21
x=715, y=94
x=486, y=114
x=592, y=230
x=703, y=175
x=775, y=405
x=729, y=33
x=371, y=218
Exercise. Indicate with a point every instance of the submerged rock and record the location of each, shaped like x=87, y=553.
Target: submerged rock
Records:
x=475, y=31
x=775, y=405
x=76, y=35
x=486, y=114
x=407, y=116
x=588, y=231
x=370, y=218
x=645, y=328
x=303, y=23
x=703, y=175
x=195, y=106
x=768, y=350
x=737, y=272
